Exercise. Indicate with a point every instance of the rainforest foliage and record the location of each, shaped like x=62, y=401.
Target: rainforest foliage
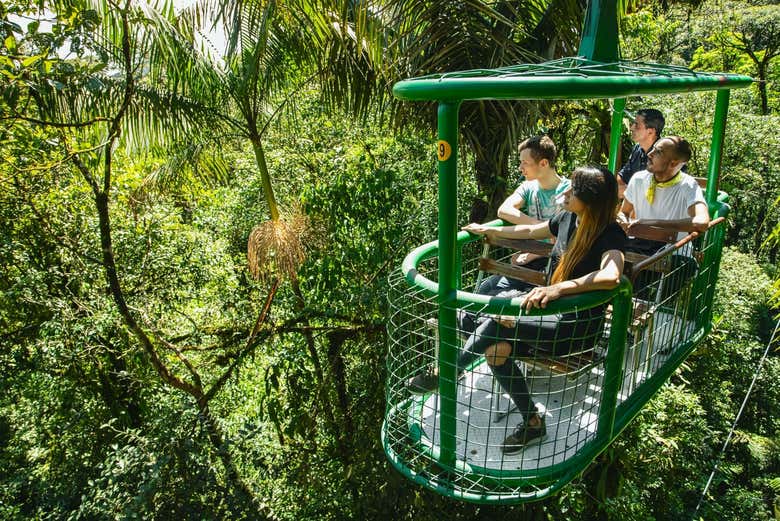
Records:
x=196, y=240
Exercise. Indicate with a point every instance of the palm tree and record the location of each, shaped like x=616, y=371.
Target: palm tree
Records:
x=358, y=50
x=432, y=37
x=271, y=54
x=276, y=48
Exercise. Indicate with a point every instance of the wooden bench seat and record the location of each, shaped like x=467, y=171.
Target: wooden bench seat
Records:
x=635, y=263
x=569, y=365
x=537, y=278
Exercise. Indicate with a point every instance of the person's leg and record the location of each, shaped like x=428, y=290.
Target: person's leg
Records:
x=646, y=284
x=560, y=335
x=487, y=332
x=556, y=334
x=499, y=357
x=683, y=269
x=492, y=285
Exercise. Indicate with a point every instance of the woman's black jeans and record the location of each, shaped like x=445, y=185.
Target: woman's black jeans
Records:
x=557, y=334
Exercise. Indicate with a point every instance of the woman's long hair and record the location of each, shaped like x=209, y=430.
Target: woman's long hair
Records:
x=596, y=187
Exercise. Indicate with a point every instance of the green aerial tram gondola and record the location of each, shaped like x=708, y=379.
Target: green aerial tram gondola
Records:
x=448, y=439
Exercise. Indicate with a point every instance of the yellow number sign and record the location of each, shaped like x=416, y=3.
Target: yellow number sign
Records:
x=443, y=150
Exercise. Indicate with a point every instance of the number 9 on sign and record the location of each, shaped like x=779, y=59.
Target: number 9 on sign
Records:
x=443, y=150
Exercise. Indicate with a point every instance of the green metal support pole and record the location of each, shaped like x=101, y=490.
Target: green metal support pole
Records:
x=600, y=32
x=615, y=132
x=716, y=148
x=613, y=364
x=447, y=153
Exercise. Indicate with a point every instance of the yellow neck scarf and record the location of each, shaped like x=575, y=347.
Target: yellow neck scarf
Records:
x=650, y=195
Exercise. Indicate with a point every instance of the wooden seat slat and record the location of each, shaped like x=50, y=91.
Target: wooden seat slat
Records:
x=513, y=272
x=653, y=233
x=565, y=364
x=524, y=245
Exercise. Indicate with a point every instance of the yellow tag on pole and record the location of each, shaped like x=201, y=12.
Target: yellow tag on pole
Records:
x=443, y=150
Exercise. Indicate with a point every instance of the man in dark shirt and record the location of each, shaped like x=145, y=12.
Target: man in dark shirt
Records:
x=645, y=131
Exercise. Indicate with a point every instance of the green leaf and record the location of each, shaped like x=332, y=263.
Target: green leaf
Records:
x=90, y=16
x=32, y=27
x=94, y=85
x=31, y=60
x=10, y=44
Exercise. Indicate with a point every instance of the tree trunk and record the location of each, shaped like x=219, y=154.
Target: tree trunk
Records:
x=762, y=91
x=265, y=177
x=232, y=476
x=118, y=390
x=193, y=389
x=339, y=375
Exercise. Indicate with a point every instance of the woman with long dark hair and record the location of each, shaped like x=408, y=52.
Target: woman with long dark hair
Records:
x=587, y=256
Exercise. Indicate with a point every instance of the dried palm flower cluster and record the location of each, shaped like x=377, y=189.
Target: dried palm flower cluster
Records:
x=276, y=247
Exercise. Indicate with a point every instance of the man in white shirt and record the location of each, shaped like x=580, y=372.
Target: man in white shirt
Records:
x=666, y=197
x=663, y=195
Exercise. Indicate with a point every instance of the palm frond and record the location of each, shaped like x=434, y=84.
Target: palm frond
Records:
x=276, y=248
x=189, y=165
x=175, y=86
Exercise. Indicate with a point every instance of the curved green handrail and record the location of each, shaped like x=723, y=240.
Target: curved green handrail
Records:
x=486, y=303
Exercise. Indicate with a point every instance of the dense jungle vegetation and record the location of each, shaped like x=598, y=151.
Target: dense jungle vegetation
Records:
x=194, y=252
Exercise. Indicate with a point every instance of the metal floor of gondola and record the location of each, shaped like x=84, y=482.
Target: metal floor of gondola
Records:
x=570, y=404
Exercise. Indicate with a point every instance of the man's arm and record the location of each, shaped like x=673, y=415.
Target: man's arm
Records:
x=697, y=222
x=700, y=217
x=625, y=215
x=621, y=186
x=626, y=210
x=539, y=230
x=510, y=210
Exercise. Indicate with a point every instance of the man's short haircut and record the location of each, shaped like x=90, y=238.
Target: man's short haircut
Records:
x=682, y=149
x=653, y=119
x=541, y=147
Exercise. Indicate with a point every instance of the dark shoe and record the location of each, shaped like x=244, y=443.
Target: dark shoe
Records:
x=524, y=435
x=423, y=383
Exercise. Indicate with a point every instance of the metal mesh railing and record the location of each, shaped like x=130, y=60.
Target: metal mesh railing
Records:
x=577, y=66
x=510, y=368
x=561, y=374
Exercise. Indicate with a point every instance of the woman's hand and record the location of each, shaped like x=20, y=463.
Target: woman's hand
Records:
x=632, y=223
x=540, y=296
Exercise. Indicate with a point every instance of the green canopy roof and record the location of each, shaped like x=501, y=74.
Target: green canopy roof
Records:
x=566, y=78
